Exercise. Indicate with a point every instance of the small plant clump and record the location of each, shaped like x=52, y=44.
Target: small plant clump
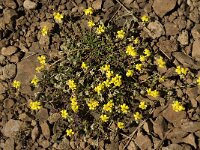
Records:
x=109, y=76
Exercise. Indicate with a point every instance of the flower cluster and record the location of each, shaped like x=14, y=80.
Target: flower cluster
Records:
x=181, y=71
x=177, y=106
x=74, y=104
x=153, y=93
x=35, y=105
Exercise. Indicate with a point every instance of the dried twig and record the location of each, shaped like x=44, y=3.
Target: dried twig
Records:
x=134, y=18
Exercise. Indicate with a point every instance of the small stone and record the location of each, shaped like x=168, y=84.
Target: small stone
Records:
x=196, y=49
x=24, y=117
x=2, y=60
x=194, y=15
x=8, y=103
x=161, y=7
x=196, y=31
x=160, y=126
x=29, y=5
x=155, y=29
x=171, y=28
x=8, y=71
x=168, y=46
x=190, y=139
x=9, y=144
x=42, y=115
x=8, y=50
x=34, y=133
x=45, y=144
x=11, y=128
x=10, y=4
x=143, y=141
x=183, y=38
x=2, y=88
x=97, y=4
x=9, y=14
x=190, y=126
x=45, y=130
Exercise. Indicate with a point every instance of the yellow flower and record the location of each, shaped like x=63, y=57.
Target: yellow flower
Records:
x=130, y=50
x=136, y=41
x=64, y=114
x=35, y=105
x=137, y=116
x=129, y=73
x=92, y=104
x=88, y=11
x=105, y=68
x=198, y=80
x=58, y=17
x=109, y=74
x=180, y=70
x=116, y=80
x=84, y=66
x=40, y=68
x=143, y=105
x=184, y=71
x=99, y=88
x=145, y=19
x=177, y=106
x=142, y=58
x=16, y=84
x=100, y=29
x=104, y=118
x=147, y=52
x=120, y=125
x=120, y=34
x=108, y=106
x=91, y=24
x=161, y=78
x=44, y=31
x=42, y=59
x=160, y=62
x=35, y=80
x=107, y=83
x=74, y=106
x=71, y=84
x=154, y=93
x=69, y=132
x=138, y=67
x=124, y=108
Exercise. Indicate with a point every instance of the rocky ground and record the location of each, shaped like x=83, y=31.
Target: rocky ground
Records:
x=175, y=30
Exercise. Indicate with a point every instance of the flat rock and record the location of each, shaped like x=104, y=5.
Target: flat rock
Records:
x=190, y=139
x=54, y=117
x=26, y=72
x=160, y=126
x=29, y=4
x=196, y=31
x=196, y=49
x=7, y=51
x=155, y=29
x=45, y=130
x=171, y=28
x=190, y=126
x=143, y=141
x=173, y=117
x=11, y=128
x=161, y=7
x=42, y=115
x=168, y=46
x=8, y=71
x=186, y=60
x=2, y=60
x=183, y=38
